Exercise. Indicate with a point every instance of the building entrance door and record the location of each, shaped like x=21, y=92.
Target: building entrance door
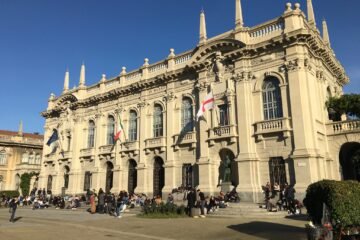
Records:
x=159, y=176
x=277, y=171
x=187, y=175
x=132, y=177
x=109, y=176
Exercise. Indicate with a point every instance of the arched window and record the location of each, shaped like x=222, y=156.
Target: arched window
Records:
x=272, y=99
x=91, y=134
x=186, y=115
x=132, y=126
x=158, y=121
x=110, y=130
x=25, y=158
x=3, y=158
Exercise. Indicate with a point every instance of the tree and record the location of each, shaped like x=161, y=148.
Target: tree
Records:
x=348, y=104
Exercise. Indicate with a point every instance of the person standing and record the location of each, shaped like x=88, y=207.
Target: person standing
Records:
x=92, y=203
x=101, y=203
x=12, y=208
x=202, y=203
x=190, y=200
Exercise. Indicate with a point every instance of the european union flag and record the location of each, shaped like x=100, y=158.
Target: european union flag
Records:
x=54, y=137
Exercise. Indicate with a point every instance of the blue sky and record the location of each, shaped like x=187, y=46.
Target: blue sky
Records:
x=39, y=39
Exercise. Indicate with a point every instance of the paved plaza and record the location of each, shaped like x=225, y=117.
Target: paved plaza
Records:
x=50, y=224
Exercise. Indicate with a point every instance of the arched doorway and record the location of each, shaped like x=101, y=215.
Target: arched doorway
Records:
x=66, y=177
x=109, y=176
x=228, y=170
x=159, y=176
x=350, y=161
x=132, y=176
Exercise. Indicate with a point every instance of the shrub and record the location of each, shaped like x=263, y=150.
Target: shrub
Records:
x=341, y=198
x=10, y=193
x=163, y=210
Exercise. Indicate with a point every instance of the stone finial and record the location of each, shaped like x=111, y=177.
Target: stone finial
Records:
x=20, y=131
x=172, y=53
x=239, y=22
x=82, y=76
x=103, y=78
x=123, y=71
x=297, y=7
x=310, y=11
x=66, y=81
x=52, y=97
x=288, y=7
x=146, y=62
x=203, y=35
x=326, y=37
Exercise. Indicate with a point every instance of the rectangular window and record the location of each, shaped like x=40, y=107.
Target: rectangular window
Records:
x=158, y=127
x=68, y=143
x=87, y=180
x=91, y=138
x=224, y=115
x=133, y=130
x=2, y=158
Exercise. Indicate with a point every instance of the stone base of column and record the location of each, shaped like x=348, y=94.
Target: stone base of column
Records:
x=226, y=187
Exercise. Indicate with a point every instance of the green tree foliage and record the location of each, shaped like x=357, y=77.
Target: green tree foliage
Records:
x=342, y=199
x=25, y=183
x=10, y=193
x=347, y=103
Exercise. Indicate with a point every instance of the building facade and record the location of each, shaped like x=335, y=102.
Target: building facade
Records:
x=19, y=153
x=270, y=83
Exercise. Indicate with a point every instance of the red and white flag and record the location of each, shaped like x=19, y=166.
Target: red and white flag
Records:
x=207, y=104
x=119, y=129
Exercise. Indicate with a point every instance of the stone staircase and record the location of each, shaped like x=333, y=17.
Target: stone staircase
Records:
x=246, y=210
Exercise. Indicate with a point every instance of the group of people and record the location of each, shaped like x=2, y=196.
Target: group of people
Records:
x=281, y=197
x=197, y=199
x=112, y=204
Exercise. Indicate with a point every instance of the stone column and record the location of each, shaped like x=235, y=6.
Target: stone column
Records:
x=206, y=182
x=169, y=165
x=142, y=167
x=248, y=162
x=303, y=105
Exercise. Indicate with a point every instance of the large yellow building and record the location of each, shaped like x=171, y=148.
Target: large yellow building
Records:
x=270, y=83
x=19, y=153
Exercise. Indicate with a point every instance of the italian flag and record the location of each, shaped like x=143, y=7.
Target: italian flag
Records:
x=119, y=129
x=207, y=104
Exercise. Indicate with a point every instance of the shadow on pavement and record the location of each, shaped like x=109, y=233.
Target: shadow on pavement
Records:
x=270, y=231
x=17, y=219
x=300, y=217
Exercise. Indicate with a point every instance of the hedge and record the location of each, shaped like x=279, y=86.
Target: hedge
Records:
x=162, y=209
x=10, y=193
x=341, y=197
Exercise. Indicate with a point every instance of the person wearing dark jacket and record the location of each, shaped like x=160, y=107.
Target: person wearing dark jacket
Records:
x=202, y=202
x=12, y=208
x=191, y=198
x=101, y=203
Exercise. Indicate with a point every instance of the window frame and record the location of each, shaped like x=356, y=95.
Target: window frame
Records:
x=187, y=115
x=91, y=134
x=271, y=99
x=158, y=121
x=132, y=131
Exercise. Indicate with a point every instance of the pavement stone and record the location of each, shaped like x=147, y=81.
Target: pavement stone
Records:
x=48, y=224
